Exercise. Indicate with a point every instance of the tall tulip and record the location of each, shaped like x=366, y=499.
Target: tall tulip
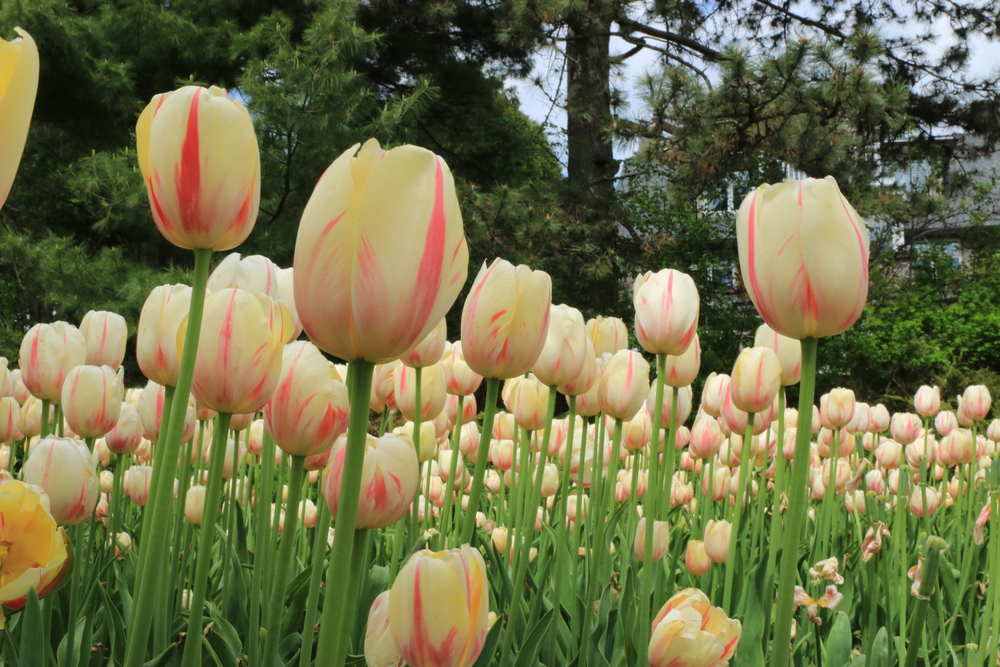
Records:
x=198, y=155
x=609, y=334
x=688, y=630
x=19, y=63
x=254, y=273
x=430, y=349
x=624, y=385
x=756, y=379
x=666, y=311
x=438, y=608
x=927, y=401
x=565, y=351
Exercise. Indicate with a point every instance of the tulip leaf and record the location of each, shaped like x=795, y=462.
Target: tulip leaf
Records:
x=163, y=659
x=527, y=656
x=751, y=652
x=838, y=643
x=880, y=649
x=32, y=651
x=116, y=627
x=489, y=651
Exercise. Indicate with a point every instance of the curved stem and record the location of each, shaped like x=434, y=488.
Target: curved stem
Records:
x=798, y=500
x=213, y=502
x=332, y=646
x=155, y=533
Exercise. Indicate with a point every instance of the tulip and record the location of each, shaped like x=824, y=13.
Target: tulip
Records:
x=905, y=427
x=429, y=350
x=468, y=440
x=717, y=536
x=136, y=483
x=945, y=422
x=286, y=293
x=92, y=400
x=789, y=353
x=975, y=402
x=48, y=353
x=684, y=398
x=565, y=352
x=383, y=386
x=198, y=155
x=637, y=432
x=716, y=486
x=105, y=335
x=804, y=257
x=879, y=419
x=159, y=339
x=681, y=370
x=234, y=456
x=388, y=481
x=714, y=394
x=927, y=401
x=380, y=649
x=917, y=501
x=666, y=311
x=889, y=454
x=445, y=457
x=428, y=435
x=661, y=540
x=10, y=418
x=433, y=390
x=499, y=540
x=624, y=385
x=438, y=608
x=150, y=410
x=530, y=404
x=609, y=334
x=106, y=481
x=756, y=379
x=67, y=472
x=309, y=407
x=240, y=351
x=460, y=380
x=696, y=559
x=20, y=392
x=505, y=319
x=688, y=630
x=194, y=504
x=36, y=553
x=19, y=60
x=861, y=421
x=380, y=254
x=502, y=454
x=836, y=409
x=254, y=273
x=706, y=438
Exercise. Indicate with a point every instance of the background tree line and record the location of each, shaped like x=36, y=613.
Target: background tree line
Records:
x=744, y=91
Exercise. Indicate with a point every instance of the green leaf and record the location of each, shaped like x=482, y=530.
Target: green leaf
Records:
x=527, y=656
x=32, y=651
x=838, y=643
x=489, y=651
x=163, y=659
x=751, y=652
x=880, y=649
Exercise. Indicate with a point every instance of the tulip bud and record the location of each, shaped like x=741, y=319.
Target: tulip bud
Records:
x=452, y=583
x=565, y=351
x=505, y=319
x=10, y=418
x=194, y=504
x=716, y=485
x=624, y=385
x=388, y=480
x=945, y=422
x=20, y=63
x=917, y=500
x=717, y=535
x=666, y=311
x=836, y=409
x=696, y=560
x=67, y=472
x=529, y=402
x=107, y=481
x=137, y=480
x=380, y=649
x=714, y=394
x=789, y=353
x=927, y=401
x=706, y=438
x=684, y=398
x=905, y=427
x=432, y=390
x=608, y=334
x=105, y=335
x=861, y=421
x=976, y=402
x=804, y=257
x=48, y=353
x=430, y=349
x=255, y=274
x=380, y=255
x=460, y=380
x=756, y=379
x=661, y=540
x=92, y=400
x=198, y=155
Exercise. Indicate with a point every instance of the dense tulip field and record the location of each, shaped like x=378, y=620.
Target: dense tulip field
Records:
x=255, y=503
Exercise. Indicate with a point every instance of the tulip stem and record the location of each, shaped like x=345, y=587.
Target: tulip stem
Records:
x=213, y=502
x=449, y=486
x=560, y=519
x=45, y=422
x=332, y=644
x=264, y=493
x=315, y=578
x=736, y=537
x=649, y=504
x=798, y=500
x=934, y=546
x=276, y=606
x=417, y=418
x=155, y=533
x=489, y=411
x=779, y=478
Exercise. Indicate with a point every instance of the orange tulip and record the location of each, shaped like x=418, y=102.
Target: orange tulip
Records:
x=804, y=257
x=380, y=255
x=199, y=159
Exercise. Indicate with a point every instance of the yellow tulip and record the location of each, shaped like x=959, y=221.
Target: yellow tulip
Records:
x=33, y=553
x=505, y=319
x=18, y=85
x=689, y=631
x=804, y=257
x=380, y=255
x=439, y=608
x=239, y=355
x=198, y=155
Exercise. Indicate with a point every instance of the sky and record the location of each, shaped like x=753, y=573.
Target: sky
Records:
x=537, y=104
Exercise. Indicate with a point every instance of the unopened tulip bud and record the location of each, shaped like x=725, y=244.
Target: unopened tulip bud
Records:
x=927, y=401
x=666, y=311
x=917, y=500
x=92, y=400
x=945, y=422
x=714, y=394
x=717, y=536
x=756, y=379
x=905, y=427
x=696, y=559
x=976, y=402
x=67, y=472
x=624, y=385
x=194, y=504
x=609, y=334
x=10, y=418
x=879, y=419
x=661, y=540
x=529, y=403
x=684, y=398
x=566, y=350
x=105, y=335
x=48, y=353
x=789, y=353
x=837, y=408
x=432, y=390
x=139, y=478
x=380, y=649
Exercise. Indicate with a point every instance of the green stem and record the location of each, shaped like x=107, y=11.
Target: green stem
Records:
x=262, y=543
x=155, y=534
x=46, y=426
x=449, y=486
x=649, y=503
x=736, y=537
x=315, y=578
x=413, y=532
x=276, y=606
x=213, y=502
x=934, y=546
x=798, y=501
x=486, y=435
x=332, y=644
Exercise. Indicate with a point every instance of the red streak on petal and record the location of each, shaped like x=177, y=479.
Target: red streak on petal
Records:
x=187, y=174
